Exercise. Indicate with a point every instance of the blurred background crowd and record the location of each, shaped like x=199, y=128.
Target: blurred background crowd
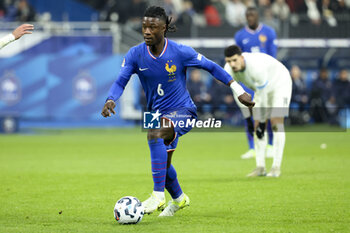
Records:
x=279, y=14
x=222, y=13
x=17, y=10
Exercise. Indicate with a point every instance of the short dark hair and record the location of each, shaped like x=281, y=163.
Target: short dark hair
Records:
x=159, y=12
x=252, y=8
x=232, y=50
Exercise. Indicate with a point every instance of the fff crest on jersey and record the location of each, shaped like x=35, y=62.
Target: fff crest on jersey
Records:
x=84, y=88
x=171, y=69
x=262, y=38
x=10, y=89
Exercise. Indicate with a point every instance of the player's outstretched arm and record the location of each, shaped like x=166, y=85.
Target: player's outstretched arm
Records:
x=16, y=34
x=108, y=108
x=23, y=29
x=219, y=73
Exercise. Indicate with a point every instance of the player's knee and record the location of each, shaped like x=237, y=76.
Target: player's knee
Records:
x=153, y=134
x=260, y=130
x=278, y=127
x=277, y=124
x=166, y=123
x=165, y=133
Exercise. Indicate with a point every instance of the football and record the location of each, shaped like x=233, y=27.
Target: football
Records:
x=128, y=210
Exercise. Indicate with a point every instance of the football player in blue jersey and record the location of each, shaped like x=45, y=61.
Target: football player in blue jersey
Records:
x=256, y=37
x=161, y=67
x=260, y=38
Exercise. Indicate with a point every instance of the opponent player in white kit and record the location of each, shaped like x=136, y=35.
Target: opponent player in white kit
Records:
x=16, y=34
x=272, y=84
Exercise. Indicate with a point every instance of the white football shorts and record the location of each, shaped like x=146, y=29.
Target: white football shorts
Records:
x=273, y=100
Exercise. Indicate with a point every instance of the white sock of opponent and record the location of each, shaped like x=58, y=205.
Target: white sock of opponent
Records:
x=260, y=147
x=279, y=140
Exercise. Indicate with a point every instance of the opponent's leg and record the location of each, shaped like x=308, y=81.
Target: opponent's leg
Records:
x=260, y=147
x=269, y=148
x=249, y=127
x=278, y=142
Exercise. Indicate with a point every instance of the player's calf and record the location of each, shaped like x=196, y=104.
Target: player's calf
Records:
x=260, y=130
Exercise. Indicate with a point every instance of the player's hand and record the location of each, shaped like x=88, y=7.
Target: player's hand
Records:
x=108, y=108
x=23, y=29
x=246, y=99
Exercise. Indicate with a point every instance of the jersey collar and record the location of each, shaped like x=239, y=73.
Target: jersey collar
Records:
x=164, y=49
x=254, y=31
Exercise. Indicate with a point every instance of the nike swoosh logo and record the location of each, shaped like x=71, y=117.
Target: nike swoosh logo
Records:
x=143, y=69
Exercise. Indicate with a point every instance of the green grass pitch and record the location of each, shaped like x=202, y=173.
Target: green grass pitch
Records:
x=69, y=181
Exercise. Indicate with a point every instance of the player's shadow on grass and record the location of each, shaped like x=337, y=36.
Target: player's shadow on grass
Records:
x=140, y=224
x=228, y=179
x=147, y=220
x=234, y=181
x=208, y=180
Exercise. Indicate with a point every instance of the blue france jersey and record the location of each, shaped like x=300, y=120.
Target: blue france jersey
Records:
x=262, y=40
x=163, y=78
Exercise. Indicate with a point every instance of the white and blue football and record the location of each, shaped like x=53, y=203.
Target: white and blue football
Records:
x=128, y=210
